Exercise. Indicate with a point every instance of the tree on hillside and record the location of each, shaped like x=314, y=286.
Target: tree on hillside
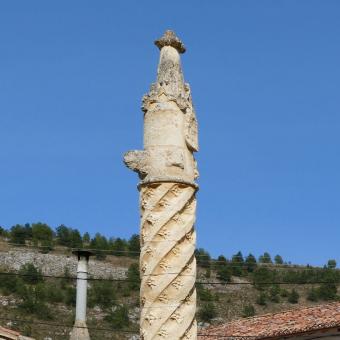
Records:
x=133, y=277
x=250, y=263
x=203, y=258
x=30, y=274
x=278, y=259
x=69, y=237
x=274, y=293
x=204, y=294
x=220, y=263
x=42, y=234
x=221, y=260
x=331, y=264
x=265, y=258
x=237, y=264
x=134, y=245
x=99, y=242
x=86, y=239
x=19, y=233
x=119, y=247
x=262, y=276
x=76, y=239
x=223, y=273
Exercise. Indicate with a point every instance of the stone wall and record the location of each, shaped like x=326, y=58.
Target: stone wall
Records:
x=55, y=264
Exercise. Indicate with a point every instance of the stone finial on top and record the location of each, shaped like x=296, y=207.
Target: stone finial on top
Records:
x=170, y=39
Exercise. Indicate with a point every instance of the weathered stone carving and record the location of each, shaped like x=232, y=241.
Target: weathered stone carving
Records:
x=168, y=170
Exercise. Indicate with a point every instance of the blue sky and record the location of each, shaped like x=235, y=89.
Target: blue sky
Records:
x=265, y=78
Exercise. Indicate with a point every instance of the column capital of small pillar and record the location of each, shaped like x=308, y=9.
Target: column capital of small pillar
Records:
x=82, y=252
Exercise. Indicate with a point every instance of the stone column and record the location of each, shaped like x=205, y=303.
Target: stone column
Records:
x=80, y=331
x=167, y=170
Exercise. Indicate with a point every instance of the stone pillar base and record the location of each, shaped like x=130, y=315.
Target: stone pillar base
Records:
x=80, y=331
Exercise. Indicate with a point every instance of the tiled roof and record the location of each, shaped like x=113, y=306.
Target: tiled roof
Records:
x=8, y=333
x=271, y=326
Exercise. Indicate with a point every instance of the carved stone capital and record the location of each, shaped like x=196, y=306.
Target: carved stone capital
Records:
x=170, y=39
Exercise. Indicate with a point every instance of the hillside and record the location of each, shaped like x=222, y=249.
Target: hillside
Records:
x=37, y=286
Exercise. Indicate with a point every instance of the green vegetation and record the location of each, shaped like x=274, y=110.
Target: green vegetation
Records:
x=250, y=263
x=205, y=294
x=265, y=258
x=293, y=296
x=273, y=281
x=133, y=277
x=248, y=310
x=207, y=312
x=278, y=259
x=262, y=299
x=118, y=318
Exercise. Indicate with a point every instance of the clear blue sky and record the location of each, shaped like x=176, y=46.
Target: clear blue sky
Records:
x=265, y=77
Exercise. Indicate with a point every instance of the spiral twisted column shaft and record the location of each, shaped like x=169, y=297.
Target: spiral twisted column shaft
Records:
x=167, y=263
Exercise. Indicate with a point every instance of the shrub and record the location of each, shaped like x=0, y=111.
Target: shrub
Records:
x=133, y=277
x=118, y=318
x=224, y=274
x=33, y=301
x=262, y=299
x=327, y=291
x=284, y=292
x=262, y=276
x=274, y=293
x=102, y=293
x=8, y=284
x=70, y=296
x=204, y=294
x=293, y=296
x=248, y=310
x=207, y=312
x=53, y=293
x=30, y=274
x=313, y=295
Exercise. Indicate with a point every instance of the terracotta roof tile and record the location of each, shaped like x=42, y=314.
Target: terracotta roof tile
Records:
x=8, y=333
x=286, y=323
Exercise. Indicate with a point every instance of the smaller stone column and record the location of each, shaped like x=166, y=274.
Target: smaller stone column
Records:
x=80, y=331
